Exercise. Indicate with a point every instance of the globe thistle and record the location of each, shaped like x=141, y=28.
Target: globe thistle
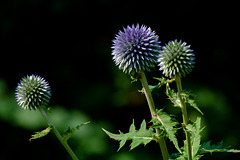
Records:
x=33, y=92
x=135, y=48
x=176, y=59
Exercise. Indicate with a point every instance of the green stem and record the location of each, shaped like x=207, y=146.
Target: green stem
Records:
x=151, y=105
x=60, y=138
x=185, y=116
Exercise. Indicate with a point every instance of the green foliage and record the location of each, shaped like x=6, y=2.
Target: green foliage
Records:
x=41, y=134
x=208, y=148
x=69, y=131
x=168, y=128
x=164, y=122
x=195, y=130
x=197, y=149
x=141, y=136
x=162, y=81
x=173, y=96
x=187, y=97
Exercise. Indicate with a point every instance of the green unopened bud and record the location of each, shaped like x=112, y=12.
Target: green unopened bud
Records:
x=176, y=59
x=33, y=92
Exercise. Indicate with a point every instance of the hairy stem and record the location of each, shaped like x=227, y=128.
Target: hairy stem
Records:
x=185, y=116
x=60, y=138
x=151, y=105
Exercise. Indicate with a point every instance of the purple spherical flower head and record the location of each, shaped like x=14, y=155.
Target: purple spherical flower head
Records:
x=135, y=48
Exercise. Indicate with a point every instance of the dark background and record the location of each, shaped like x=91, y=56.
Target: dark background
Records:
x=69, y=44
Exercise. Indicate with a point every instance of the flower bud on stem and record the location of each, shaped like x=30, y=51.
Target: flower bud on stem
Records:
x=33, y=92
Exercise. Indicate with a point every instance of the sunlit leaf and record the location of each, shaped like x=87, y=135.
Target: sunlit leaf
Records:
x=40, y=134
x=195, y=130
x=164, y=122
x=173, y=96
x=163, y=81
x=141, y=136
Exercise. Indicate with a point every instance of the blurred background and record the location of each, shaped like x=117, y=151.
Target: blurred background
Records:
x=69, y=44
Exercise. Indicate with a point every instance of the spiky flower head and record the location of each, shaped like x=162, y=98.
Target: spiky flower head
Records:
x=176, y=59
x=135, y=48
x=33, y=92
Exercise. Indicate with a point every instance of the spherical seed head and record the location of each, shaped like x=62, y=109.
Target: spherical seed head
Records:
x=135, y=49
x=176, y=59
x=33, y=92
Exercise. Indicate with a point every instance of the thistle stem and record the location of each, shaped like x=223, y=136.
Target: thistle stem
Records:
x=151, y=105
x=60, y=138
x=185, y=116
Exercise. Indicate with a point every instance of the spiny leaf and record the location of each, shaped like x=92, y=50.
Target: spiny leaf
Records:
x=208, y=148
x=141, y=136
x=197, y=149
x=69, y=131
x=163, y=81
x=40, y=134
x=173, y=96
x=195, y=130
x=165, y=123
x=190, y=101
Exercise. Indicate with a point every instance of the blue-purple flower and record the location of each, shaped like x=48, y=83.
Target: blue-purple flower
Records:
x=33, y=92
x=136, y=48
x=176, y=59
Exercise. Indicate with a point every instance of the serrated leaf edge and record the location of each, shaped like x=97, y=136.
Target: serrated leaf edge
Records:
x=132, y=129
x=40, y=134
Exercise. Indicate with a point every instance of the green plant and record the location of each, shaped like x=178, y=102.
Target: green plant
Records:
x=33, y=92
x=136, y=50
x=176, y=60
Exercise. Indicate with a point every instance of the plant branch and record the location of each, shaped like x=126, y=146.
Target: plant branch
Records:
x=151, y=105
x=60, y=138
x=185, y=116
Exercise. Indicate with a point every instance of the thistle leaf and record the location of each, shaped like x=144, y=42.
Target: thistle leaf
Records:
x=141, y=136
x=165, y=123
x=163, y=81
x=190, y=101
x=208, y=148
x=40, y=134
x=173, y=96
x=195, y=130
x=197, y=149
x=69, y=131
